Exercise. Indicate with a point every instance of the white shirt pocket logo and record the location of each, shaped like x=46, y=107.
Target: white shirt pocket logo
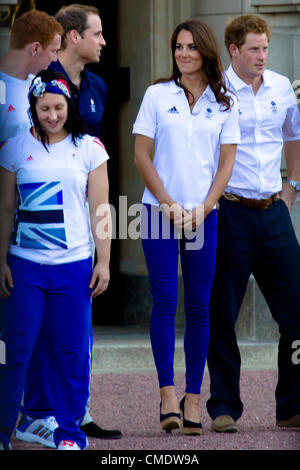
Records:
x=274, y=107
x=209, y=113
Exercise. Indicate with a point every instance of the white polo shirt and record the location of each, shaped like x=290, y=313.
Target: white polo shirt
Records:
x=266, y=119
x=14, y=111
x=186, y=143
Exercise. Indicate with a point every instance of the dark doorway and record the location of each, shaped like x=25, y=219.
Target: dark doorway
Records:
x=106, y=308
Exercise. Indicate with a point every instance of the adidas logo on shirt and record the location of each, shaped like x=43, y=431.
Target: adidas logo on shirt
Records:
x=30, y=158
x=173, y=110
x=10, y=108
x=98, y=141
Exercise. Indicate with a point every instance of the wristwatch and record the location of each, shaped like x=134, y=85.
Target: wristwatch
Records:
x=295, y=184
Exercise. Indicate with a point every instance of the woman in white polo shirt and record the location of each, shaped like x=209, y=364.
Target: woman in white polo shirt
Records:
x=46, y=274
x=192, y=121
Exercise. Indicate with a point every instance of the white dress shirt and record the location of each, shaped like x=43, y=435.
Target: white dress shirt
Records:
x=266, y=120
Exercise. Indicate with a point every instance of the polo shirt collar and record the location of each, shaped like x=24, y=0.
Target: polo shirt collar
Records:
x=59, y=68
x=177, y=89
x=238, y=83
x=267, y=78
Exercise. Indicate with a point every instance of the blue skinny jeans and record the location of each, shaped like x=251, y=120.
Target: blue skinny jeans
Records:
x=161, y=249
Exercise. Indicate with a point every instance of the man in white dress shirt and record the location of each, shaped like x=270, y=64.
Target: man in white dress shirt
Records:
x=255, y=233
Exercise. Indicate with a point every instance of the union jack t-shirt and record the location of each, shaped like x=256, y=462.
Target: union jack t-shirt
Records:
x=52, y=224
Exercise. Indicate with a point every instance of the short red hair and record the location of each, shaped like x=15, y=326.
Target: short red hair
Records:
x=34, y=26
x=238, y=28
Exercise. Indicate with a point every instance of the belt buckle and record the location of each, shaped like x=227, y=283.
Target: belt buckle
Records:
x=266, y=203
x=232, y=197
x=271, y=200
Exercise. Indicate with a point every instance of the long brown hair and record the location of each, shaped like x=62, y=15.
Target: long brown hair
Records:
x=206, y=45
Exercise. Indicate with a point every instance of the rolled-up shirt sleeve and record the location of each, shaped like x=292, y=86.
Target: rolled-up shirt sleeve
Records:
x=291, y=126
x=146, y=121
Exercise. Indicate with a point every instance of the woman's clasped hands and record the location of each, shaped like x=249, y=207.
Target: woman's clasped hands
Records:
x=184, y=219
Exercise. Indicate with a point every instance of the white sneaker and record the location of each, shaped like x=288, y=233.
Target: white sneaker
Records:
x=68, y=445
x=8, y=447
x=37, y=430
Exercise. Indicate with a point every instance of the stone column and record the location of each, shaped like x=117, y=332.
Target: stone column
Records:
x=145, y=32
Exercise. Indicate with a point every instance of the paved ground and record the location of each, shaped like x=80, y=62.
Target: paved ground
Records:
x=130, y=402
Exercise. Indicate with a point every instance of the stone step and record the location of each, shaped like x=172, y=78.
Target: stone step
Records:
x=128, y=350
x=255, y=322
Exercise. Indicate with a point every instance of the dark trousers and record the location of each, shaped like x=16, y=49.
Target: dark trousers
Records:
x=261, y=242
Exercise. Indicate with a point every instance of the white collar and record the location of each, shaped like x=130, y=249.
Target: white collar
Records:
x=177, y=89
x=238, y=83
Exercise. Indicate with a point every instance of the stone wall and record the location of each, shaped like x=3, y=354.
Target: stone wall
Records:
x=145, y=30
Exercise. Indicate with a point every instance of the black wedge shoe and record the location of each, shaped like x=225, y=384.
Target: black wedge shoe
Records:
x=169, y=421
x=188, y=427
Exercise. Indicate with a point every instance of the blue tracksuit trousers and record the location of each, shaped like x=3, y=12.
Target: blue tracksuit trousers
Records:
x=56, y=299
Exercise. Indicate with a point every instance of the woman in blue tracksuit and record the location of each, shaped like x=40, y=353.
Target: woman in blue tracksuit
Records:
x=193, y=123
x=46, y=274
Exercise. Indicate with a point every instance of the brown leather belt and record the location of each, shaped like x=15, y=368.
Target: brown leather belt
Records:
x=256, y=203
